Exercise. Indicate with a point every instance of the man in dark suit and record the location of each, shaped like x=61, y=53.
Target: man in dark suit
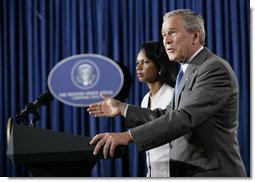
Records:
x=200, y=124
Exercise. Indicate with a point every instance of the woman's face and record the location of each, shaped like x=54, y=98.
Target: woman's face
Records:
x=146, y=70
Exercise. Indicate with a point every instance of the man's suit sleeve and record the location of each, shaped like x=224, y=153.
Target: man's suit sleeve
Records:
x=146, y=116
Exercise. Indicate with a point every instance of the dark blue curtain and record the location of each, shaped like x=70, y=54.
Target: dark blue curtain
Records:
x=36, y=34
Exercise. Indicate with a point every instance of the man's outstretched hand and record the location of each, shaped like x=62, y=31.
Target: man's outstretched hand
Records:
x=109, y=107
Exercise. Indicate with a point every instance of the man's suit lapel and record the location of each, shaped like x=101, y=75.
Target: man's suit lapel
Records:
x=193, y=65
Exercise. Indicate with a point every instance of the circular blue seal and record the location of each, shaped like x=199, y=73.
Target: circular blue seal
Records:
x=78, y=80
x=85, y=74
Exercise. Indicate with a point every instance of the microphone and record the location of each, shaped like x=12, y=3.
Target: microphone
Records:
x=42, y=100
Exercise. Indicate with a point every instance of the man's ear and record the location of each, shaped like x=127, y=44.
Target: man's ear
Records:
x=196, y=36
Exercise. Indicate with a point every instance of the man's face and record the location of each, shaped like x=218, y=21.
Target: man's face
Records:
x=177, y=40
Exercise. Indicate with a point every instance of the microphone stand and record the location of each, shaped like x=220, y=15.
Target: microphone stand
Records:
x=30, y=108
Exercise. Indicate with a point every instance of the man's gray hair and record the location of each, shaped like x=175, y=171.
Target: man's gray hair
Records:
x=191, y=21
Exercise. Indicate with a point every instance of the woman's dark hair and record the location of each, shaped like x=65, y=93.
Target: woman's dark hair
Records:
x=156, y=52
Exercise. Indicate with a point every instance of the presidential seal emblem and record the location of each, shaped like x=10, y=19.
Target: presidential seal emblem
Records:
x=85, y=74
x=79, y=79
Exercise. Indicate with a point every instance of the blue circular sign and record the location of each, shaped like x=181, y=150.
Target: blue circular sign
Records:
x=78, y=80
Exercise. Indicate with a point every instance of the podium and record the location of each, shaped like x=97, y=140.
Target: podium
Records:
x=49, y=153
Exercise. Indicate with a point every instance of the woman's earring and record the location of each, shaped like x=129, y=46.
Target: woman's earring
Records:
x=159, y=73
